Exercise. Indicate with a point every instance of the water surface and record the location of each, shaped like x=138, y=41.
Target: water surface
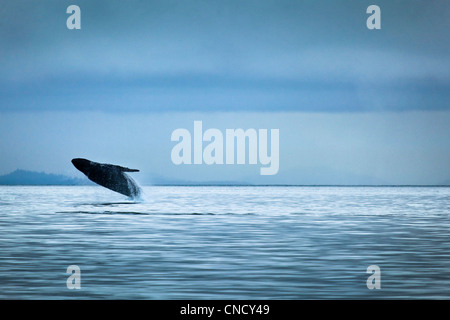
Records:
x=225, y=242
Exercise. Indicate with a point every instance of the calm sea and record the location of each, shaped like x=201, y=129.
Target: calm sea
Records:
x=225, y=242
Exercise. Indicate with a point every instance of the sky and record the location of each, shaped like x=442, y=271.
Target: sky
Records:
x=353, y=105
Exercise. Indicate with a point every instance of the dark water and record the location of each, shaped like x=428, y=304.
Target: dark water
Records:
x=225, y=242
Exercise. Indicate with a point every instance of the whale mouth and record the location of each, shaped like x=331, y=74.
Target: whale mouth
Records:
x=81, y=164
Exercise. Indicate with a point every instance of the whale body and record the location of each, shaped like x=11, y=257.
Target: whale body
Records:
x=109, y=176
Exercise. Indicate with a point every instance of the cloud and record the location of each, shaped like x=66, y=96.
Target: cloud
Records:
x=224, y=55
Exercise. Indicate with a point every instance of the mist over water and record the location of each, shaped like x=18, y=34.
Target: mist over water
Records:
x=225, y=242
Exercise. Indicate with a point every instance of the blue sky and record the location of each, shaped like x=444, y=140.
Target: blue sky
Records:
x=377, y=102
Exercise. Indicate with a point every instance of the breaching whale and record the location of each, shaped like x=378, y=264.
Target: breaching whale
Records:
x=109, y=176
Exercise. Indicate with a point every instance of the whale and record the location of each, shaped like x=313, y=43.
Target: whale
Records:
x=110, y=176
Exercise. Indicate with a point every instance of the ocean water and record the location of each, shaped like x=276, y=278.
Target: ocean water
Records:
x=225, y=242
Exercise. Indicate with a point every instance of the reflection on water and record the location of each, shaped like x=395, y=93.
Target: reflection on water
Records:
x=225, y=242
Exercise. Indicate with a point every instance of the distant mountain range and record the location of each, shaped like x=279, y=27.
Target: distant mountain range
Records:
x=24, y=177
x=32, y=178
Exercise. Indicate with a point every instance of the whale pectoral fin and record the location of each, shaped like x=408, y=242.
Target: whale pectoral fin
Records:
x=124, y=169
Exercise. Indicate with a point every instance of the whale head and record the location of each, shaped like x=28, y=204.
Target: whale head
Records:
x=83, y=165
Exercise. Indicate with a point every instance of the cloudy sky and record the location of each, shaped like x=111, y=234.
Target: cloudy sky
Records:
x=353, y=105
